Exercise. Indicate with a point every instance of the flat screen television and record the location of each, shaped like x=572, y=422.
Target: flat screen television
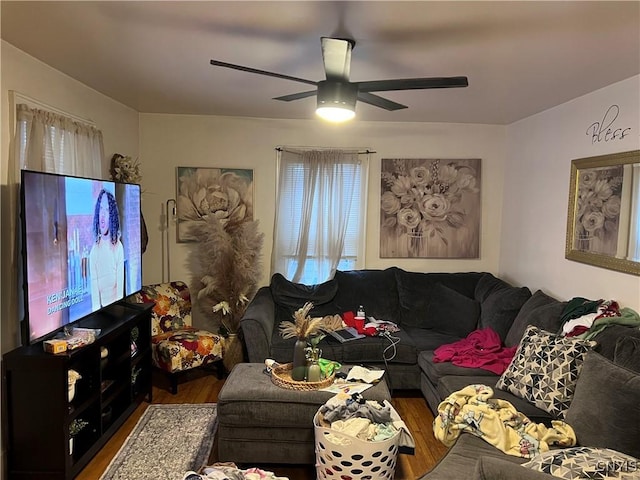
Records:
x=81, y=248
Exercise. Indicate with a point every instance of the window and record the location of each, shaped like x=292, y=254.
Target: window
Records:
x=320, y=211
x=52, y=142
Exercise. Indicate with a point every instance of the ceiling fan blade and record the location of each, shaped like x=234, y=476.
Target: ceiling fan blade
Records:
x=336, y=55
x=218, y=63
x=378, y=101
x=296, y=96
x=412, y=84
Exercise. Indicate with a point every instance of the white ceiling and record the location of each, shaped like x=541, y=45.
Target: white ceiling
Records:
x=520, y=57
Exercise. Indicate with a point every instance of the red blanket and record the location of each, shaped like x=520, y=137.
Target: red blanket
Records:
x=481, y=349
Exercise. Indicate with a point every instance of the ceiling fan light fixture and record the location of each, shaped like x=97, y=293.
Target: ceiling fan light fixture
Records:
x=336, y=101
x=335, y=114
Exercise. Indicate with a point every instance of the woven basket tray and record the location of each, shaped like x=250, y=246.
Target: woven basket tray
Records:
x=281, y=376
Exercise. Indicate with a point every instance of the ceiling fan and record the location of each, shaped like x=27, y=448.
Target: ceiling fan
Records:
x=336, y=96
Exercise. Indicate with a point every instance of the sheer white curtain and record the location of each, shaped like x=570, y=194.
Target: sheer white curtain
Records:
x=319, y=211
x=49, y=142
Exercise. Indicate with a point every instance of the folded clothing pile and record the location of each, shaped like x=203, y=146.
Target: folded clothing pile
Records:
x=229, y=471
x=352, y=415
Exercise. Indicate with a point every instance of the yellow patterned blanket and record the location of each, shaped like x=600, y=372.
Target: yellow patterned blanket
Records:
x=473, y=409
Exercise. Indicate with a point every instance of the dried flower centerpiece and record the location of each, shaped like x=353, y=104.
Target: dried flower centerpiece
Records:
x=304, y=326
x=125, y=169
x=228, y=266
x=303, y=330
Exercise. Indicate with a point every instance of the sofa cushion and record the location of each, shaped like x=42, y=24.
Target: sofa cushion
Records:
x=416, y=293
x=450, y=312
x=545, y=369
x=500, y=304
x=576, y=463
x=286, y=292
x=293, y=296
x=490, y=468
x=605, y=411
x=488, y=284
x=428, y=339
x=375, y=290
x=460, y=461
x=627, y=353
x=450, y=384
x=362, y=350
x=540, y=310
x=376, y=349
x=435, y=371
x=608, y=338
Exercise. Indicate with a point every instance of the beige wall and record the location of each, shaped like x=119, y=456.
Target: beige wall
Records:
x=30, y=77
x=168, y=141
x=540, y=150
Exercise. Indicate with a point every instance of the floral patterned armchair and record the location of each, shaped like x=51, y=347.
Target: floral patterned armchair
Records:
x=177, y=346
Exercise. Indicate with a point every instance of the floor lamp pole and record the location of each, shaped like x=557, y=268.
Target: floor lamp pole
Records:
x=172, y=202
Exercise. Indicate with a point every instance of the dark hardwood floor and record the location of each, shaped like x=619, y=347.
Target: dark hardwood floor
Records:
x=203, y=387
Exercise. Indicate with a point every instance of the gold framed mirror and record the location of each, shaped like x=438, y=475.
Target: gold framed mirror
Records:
x=603, y=224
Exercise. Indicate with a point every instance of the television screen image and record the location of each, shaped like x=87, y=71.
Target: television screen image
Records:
x=81, y=247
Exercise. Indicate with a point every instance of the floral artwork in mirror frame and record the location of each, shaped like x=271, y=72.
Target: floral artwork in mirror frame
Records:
x=603, y=221
x=430, y=208
x=597, y=220
x=226, y=193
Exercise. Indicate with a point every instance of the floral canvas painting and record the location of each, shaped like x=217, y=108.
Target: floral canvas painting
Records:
x=430, y=208
x=598, y=200
x=226, y=193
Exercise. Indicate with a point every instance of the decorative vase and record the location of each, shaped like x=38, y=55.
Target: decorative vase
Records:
x=299, y=370
x=313, y=372
x=233, y=352
x=70, y=445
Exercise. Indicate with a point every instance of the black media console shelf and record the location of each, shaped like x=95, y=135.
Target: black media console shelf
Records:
x=39, y=413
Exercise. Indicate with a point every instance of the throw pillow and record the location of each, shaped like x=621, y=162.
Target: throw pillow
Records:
x=488, y=284
x=545, y=369
x=605, y=411
x=585, y=462
x=293, y=296
x=416, y=291
x=375, y=290
x=500, y=307
x=540, y=310
x=414, y=294
x=450, y=312
x=608, y=339
x=627, y=353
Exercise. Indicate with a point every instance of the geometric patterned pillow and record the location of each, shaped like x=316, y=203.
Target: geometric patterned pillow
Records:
x=585, y=462
x=545, y=369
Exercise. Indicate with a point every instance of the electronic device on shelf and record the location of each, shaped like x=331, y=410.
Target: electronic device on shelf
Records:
x=66, y=278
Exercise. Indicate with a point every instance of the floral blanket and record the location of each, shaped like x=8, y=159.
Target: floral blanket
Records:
x=474, y=410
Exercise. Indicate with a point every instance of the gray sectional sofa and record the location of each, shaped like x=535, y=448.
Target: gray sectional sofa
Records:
x=433, y=309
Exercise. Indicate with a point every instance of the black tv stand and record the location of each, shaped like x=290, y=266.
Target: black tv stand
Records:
x=39, y=412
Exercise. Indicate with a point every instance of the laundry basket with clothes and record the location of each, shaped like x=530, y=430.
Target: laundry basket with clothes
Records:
x=358, y=438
